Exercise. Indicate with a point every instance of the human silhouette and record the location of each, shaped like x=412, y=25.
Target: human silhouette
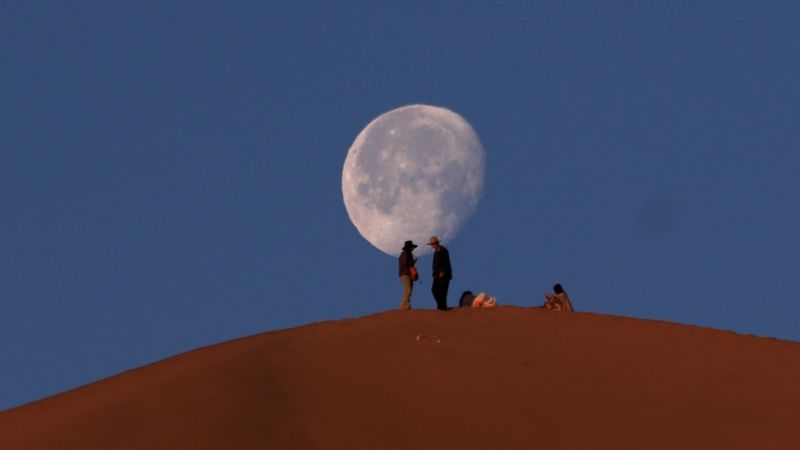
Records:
x=559, y=301
x=407, y=265
x=442, y=273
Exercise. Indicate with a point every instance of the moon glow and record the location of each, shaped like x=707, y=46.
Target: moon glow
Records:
x=411, y=173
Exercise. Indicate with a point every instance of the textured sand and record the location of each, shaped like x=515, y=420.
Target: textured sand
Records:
x=502, y=378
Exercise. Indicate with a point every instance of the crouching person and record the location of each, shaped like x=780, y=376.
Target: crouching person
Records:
x=559, y=301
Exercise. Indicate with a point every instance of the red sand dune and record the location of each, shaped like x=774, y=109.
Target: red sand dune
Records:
x=502, y=378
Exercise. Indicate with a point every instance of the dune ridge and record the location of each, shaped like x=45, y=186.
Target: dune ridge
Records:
x=505, y=378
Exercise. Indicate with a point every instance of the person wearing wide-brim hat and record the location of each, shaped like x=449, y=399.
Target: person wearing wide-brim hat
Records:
x=442, y=273
x=407, y=262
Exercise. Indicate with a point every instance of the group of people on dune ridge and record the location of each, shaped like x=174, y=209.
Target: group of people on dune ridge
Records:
x=442, y=273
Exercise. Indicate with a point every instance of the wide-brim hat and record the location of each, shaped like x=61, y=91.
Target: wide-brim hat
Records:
x=433, y=240
x=409, y=246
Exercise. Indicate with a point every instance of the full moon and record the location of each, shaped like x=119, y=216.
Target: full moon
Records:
x=413, y=172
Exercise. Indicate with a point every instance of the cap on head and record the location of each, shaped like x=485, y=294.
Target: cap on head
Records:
x=433, y=240
x=409, y=246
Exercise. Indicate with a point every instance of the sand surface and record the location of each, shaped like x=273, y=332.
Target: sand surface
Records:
x=502, y=378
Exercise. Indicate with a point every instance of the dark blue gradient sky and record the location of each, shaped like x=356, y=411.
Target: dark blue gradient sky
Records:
x=170, y=171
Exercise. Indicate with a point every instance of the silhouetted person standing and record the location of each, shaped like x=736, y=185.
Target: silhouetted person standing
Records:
x=407, y=262
x=442, y=273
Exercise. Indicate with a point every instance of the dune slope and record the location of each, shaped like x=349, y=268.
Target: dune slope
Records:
x=505, y=378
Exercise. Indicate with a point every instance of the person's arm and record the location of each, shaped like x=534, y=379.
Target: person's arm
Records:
x=447, y=270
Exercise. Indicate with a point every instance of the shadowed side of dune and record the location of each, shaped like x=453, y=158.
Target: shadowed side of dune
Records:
x=506, y=377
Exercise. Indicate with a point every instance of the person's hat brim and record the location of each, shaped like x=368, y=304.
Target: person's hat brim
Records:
x=410, y=247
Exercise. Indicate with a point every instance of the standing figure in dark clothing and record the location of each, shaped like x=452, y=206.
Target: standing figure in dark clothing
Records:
x=407, y=262
x=442, y=273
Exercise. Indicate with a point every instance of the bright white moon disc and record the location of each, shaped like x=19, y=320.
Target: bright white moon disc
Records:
x=413, y=172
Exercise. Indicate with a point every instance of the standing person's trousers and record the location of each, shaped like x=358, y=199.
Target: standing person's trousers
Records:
x=439, y=291
x=408, y=288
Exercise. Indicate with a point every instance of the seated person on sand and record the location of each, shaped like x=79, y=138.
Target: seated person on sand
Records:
x=476, y=301
x=558, y=301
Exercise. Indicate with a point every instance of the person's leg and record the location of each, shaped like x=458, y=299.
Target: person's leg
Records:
x=408, y=288
x=439, y=291
x=435, y=291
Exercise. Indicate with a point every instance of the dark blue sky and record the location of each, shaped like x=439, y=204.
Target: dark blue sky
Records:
x=170, y=172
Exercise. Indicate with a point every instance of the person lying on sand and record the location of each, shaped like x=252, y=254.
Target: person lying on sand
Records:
x=481, y=300
x=558, y=301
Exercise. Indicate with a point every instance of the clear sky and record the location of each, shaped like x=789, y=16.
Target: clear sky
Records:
x=170, y=172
